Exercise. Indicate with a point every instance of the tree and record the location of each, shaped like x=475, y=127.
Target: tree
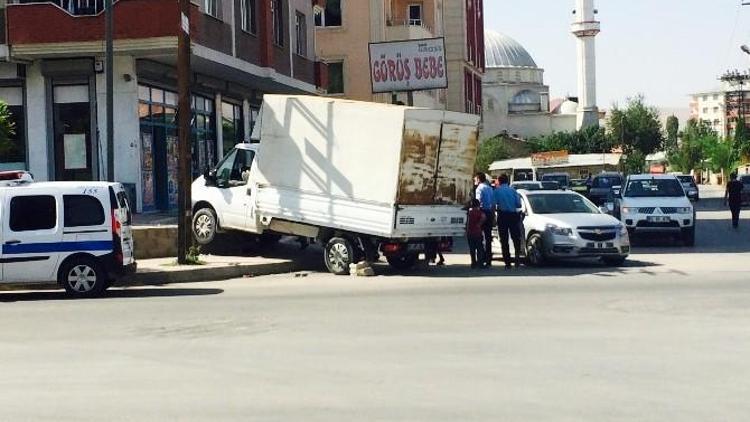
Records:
x=7, y=130
x=741, y=140
x=634, y=162
x=673, y=128
x=722, y=156
x=589, y=140
x=636, y=127
x=490, y=150
x=697, y=140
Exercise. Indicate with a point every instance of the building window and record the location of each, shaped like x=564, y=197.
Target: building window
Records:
x=13, y=153
x=336, y=78
x=705, y=98
x=415, y=14
x=249, y=24
x=716, y=97
x=212, y=7
x=300, y=28
x=705, y=110
x=232, y=125
x=330, y=15
x=716, y=109
x=277, y=19
x=716, y=122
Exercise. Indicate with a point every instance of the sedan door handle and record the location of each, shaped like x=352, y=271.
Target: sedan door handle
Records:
x=12, y=242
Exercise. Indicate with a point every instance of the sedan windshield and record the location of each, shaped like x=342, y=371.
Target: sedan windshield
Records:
x=651, y=188
x=560, y=204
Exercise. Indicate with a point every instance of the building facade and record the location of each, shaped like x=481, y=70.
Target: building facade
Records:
x=711, y=107
x=344, y=29
x=55, y=83
x=463, y=22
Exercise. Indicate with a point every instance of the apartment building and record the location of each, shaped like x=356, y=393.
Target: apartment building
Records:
x=344, y=29
x=710, y=106
x=464, y=45
x=52, y=76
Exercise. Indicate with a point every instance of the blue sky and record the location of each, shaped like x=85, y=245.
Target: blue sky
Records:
x=664, y=49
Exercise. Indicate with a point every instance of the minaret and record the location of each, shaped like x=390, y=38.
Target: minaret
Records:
x=585, y=27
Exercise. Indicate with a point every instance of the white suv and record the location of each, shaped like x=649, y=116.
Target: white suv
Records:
x=657, y=203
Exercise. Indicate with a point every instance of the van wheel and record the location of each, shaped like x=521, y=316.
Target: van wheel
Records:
x=339, y=254
x=83, y=277
x=535, y=250
x=204, y=226
x=403, y=262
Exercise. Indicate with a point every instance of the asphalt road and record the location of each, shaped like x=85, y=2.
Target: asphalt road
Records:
x=664, y=338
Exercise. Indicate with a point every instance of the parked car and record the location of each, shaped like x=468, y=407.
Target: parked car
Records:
x=566, y=225
x=563, y=179
x=579, y=186
x=530, y=185
x=657, y=203
x=551, y=185
x=745, y=179
x=601, y=186
x=77, y=234
x=691, y=189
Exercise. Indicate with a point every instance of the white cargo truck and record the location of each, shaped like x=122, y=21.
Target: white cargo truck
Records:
x=362, y=179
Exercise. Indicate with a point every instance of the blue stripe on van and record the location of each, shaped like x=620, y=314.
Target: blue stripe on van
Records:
x=104, y=245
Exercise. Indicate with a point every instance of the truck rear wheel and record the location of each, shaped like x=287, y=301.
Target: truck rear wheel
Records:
x=339, y=254
x=403, y=262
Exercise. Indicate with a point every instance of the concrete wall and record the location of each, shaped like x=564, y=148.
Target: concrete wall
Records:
x=127, y=125
x=36, y=115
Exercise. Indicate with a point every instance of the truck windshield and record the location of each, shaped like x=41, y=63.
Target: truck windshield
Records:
x=654, y=188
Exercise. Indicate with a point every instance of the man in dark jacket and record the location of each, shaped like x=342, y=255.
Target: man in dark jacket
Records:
x=733, y=197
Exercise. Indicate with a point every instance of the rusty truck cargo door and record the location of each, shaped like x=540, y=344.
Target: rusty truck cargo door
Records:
x=456, y=158
x=419, y=159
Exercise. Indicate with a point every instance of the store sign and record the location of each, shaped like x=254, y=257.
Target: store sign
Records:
x=549, y=158
x=411, y=65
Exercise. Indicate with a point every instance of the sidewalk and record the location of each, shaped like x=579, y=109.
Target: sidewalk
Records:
x=165, y=270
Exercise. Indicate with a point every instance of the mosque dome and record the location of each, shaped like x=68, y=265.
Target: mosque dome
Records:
x=503, y=51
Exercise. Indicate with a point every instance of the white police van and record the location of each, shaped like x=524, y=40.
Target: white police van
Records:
x=75, y=233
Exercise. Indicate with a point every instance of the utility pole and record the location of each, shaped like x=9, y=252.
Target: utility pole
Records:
x=109, y=64
x=184, y=203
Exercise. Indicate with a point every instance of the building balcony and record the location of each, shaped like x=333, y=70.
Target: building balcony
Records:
x=407, y=30
x=72, y=27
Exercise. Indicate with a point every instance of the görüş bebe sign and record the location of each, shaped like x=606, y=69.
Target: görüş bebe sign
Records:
x=411, y=65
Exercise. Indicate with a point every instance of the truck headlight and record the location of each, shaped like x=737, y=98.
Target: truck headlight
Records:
x=629, y=210
x=684, y=210
x=560, y=231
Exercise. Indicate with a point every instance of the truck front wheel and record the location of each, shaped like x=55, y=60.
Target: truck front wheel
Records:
x=204, y=226
x=403, y=262
x=339, y=254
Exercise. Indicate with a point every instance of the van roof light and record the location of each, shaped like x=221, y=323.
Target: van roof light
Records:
x=15, y=177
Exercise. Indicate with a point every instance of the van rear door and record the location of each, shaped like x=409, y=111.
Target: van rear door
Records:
x=122, y=221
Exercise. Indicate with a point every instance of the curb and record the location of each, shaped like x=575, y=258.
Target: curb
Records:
x=208, y=274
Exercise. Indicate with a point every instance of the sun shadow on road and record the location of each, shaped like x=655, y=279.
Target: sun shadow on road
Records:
x=129, y=293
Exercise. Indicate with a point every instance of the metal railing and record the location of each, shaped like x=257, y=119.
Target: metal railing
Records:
x=400, y=21
x=73, y=7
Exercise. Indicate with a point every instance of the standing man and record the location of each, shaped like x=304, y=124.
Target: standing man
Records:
x=486, y=198
x=508, y=203
x=733, y=197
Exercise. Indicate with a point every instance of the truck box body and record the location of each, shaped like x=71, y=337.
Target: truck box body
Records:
x=377, y=169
